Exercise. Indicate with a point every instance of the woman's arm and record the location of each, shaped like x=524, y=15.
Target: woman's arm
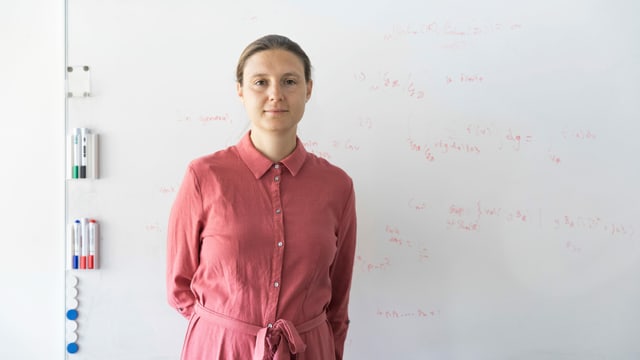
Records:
x=183, y=244
x=341, y=272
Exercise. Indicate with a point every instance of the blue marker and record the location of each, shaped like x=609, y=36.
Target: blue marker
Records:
x=77, y=238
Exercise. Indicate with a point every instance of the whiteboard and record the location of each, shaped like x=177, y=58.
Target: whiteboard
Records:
x=492, y=146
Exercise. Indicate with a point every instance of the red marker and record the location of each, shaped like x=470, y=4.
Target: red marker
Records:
x=85, y=243
x=93, y=244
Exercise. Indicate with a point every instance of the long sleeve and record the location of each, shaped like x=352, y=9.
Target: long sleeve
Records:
x=183, y=244
x=341, y=273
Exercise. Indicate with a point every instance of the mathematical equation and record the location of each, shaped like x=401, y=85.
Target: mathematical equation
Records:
x=367, y=265
x=207, y=119
x=468, y=218
x=167, y=189
x=386, y=81
x=442, y=146
x=154, y=227
x=464, y=79
x=450, y=29
x=593, y=223
x=326, y=151
x=477, y=139
x=418, y=313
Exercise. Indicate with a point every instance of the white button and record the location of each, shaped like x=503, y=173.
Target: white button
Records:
x=277, y=178
x=277, y=166
x=279, y=243
x=278, y=211
x=269, y=325
x=276, y=284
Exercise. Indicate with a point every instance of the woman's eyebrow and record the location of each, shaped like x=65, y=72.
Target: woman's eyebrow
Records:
x=287, y=74
x=291, y=74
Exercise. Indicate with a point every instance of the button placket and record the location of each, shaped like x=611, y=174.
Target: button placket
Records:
x=275, y=179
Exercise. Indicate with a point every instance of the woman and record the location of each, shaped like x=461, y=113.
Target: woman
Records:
x=261, y=236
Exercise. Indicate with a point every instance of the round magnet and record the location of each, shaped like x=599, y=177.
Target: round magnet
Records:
x=72, y=336
x=72, y=281
x=72, y=314
x=72, y=348
x=72, y=326
x=72, y=293
x=72, y=303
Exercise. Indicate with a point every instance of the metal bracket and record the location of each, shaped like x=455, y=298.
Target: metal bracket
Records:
x=78, y=81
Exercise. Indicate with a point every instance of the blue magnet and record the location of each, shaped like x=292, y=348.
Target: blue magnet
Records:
x=72, y=348
x=72, y=314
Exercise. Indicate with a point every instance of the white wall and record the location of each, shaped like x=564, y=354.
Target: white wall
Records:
x=32, y=180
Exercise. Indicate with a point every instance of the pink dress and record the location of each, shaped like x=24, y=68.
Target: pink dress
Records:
x=260, y=256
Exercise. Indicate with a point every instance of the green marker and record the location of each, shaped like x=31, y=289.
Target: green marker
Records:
x=77, y=152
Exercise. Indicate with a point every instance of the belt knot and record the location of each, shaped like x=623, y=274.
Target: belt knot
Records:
x=278, y=342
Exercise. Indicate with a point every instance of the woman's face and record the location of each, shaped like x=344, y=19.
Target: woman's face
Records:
x=274, y=91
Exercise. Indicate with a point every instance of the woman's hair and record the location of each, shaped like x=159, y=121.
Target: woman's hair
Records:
x=273, y=42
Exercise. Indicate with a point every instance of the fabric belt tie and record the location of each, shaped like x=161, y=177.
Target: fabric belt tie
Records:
x=269, y=340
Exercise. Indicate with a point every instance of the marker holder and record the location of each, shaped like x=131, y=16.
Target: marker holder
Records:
x=83, y=245
x=82, y=154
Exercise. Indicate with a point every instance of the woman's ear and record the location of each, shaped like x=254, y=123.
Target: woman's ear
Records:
x=239, y=90
x=309, y=89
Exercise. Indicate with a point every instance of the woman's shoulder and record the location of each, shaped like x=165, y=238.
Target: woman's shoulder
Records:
x=217, y=160
x=327, y=168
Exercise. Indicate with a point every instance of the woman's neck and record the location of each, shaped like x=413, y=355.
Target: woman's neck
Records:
x=274, y=146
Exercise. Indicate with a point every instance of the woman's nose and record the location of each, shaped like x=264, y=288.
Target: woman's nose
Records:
x=275, y=92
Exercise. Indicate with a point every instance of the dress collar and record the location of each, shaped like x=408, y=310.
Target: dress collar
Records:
x=259, y=164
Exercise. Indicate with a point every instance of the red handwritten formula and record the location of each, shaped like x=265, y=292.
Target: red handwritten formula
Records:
x=329, y=148
x=315, y=148
x=470, y=218
x=386, y=81
x=593, y=224
x=432, y=152
x=464, y=79
x=365, y=265
x=347, y=145
x=154, y=228
x=451, y=29
x=167, y=190
x=579, y=134
x=416, y=204
x=207, y=119
x=421, y=253
x=480, y=139
x=397, y=314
